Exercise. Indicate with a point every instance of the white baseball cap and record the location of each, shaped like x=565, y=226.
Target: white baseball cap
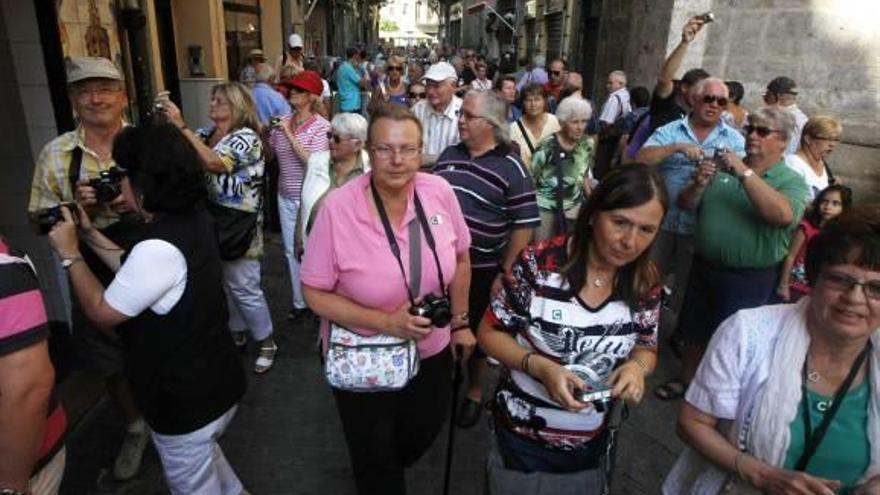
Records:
x=295, y=41
x=441, y=71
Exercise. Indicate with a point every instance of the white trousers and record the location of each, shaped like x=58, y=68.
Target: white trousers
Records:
x=48, y=480
x=248, y=309
x=193, y=462
x=288, y=211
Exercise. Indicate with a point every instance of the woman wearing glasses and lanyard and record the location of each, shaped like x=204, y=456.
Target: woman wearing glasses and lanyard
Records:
x=384, y=241
x=787, y=397
x=293, y=139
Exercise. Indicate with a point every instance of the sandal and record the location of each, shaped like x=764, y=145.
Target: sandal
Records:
x=266, y=358
x=671, y=390
x=240, y=338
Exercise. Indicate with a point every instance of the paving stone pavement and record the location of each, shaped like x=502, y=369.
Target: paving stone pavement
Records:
x=287, y=437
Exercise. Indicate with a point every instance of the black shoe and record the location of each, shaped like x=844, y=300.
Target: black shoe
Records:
x=469, y=413
x=297, y=313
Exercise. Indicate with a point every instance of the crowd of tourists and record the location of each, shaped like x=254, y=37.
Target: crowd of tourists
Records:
x=438, y=214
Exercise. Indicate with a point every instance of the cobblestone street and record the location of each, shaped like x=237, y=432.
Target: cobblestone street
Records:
x=287, y=437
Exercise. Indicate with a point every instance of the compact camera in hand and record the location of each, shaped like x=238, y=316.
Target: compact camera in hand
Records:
x=108, y=184
x=435, y=308
x=598, y=393
x=46, y=219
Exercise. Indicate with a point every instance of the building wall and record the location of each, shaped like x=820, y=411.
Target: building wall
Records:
x=200, y=22
x=28, y=123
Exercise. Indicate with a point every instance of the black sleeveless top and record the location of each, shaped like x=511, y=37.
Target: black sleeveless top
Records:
x=184, y=369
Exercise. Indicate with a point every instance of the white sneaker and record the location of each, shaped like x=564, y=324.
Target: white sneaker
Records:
x=128, y=462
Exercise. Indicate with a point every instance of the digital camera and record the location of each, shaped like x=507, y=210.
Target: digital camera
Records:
x=47, y=218
x=706, y=18
x=435, y=308
x=598, y=393
x=107, y=185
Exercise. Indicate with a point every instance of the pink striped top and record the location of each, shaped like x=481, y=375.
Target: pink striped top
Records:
x=312, y=135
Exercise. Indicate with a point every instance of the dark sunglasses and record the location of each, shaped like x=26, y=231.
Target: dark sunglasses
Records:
x=394, y=67
x=722, y=101
x=555, y=72
x=336, y=138
x=417, y=95
x=760, y=130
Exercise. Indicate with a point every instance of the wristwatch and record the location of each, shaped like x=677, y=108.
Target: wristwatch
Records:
x=67, y=263
x=746, y=174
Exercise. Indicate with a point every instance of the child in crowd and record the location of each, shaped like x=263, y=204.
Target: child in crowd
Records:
x=830, y=202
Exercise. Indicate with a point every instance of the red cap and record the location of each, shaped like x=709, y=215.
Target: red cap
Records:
x=307, y=80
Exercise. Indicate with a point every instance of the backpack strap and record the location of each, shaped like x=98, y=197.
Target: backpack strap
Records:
x=525, y=134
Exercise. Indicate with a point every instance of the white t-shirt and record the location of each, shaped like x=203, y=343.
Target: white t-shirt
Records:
x=326, y=93
x=153, y=276
x=815, y=183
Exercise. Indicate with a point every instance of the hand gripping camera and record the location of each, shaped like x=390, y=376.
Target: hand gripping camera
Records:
x=47, y=218
x=435, y=308
x=598, y=393
x=107, y=185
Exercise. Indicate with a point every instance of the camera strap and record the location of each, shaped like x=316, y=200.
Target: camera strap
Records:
x=812, y=439
x=415, y=244
x=73, y=169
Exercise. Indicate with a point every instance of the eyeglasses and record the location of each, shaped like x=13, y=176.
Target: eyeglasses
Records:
x=102, y=91
x=709, y=99
x=845, y=283
x=396, y=68
x=420, y=96
x=296, y=90
x=555, y=72
x=387, y=152
x=467, y=116
x=760, y=130
x=336, y=138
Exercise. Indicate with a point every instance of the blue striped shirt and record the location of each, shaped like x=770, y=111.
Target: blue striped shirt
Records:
x=496, y=195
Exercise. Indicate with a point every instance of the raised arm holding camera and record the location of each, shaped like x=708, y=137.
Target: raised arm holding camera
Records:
x=184, y=370
x=78, y=166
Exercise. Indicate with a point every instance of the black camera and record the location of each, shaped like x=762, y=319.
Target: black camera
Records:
x=107, y=185
x=47, y=218
x=435, y=308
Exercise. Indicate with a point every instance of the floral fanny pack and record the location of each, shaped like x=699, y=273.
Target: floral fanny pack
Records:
x=357, y=363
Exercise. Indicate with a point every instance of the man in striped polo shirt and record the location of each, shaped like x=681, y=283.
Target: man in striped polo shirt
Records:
x=439, y=112
x=497, y=198
x=32, y=421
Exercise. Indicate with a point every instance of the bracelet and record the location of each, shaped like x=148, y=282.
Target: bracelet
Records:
x=736, y=466
x=460, y=327
x=463, y=316
x=524, y=364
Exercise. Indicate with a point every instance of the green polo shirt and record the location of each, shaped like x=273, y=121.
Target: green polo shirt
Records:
x=730, y=233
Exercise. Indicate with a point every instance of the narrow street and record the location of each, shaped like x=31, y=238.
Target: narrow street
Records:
x=287, y=438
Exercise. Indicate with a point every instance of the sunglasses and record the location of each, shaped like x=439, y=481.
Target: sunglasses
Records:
x=394, y=68
x=420, y=96
x=760, y=130
x=722, y=101
x=555, y=72
x=336, y=138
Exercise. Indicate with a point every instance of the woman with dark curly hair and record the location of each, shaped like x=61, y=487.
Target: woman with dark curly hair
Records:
x=787, y=397
x=577, y=315
x=184, y=371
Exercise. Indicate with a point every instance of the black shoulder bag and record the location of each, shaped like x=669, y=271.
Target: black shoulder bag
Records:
x=525, y=134
x=559, y=157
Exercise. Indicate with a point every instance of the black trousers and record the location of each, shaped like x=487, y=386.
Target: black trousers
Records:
x=389, y=431
x=479, y=297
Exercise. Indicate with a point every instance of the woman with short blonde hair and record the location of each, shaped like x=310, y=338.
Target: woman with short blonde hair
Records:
x=819, y=138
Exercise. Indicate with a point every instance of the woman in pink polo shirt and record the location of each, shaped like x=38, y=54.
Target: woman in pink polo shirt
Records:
x=357, y=274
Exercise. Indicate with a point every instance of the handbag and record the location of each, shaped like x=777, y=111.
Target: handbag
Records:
x=235, y=230
x=377, y=363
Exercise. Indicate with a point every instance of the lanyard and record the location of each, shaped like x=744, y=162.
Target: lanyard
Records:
x=814, y=438
x=395, y=248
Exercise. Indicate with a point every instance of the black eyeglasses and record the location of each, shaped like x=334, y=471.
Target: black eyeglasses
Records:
x=845, y=283
x=419, y=96
x=555, y=72
x=394, y=68
x=760, y=130
x=722, y=101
